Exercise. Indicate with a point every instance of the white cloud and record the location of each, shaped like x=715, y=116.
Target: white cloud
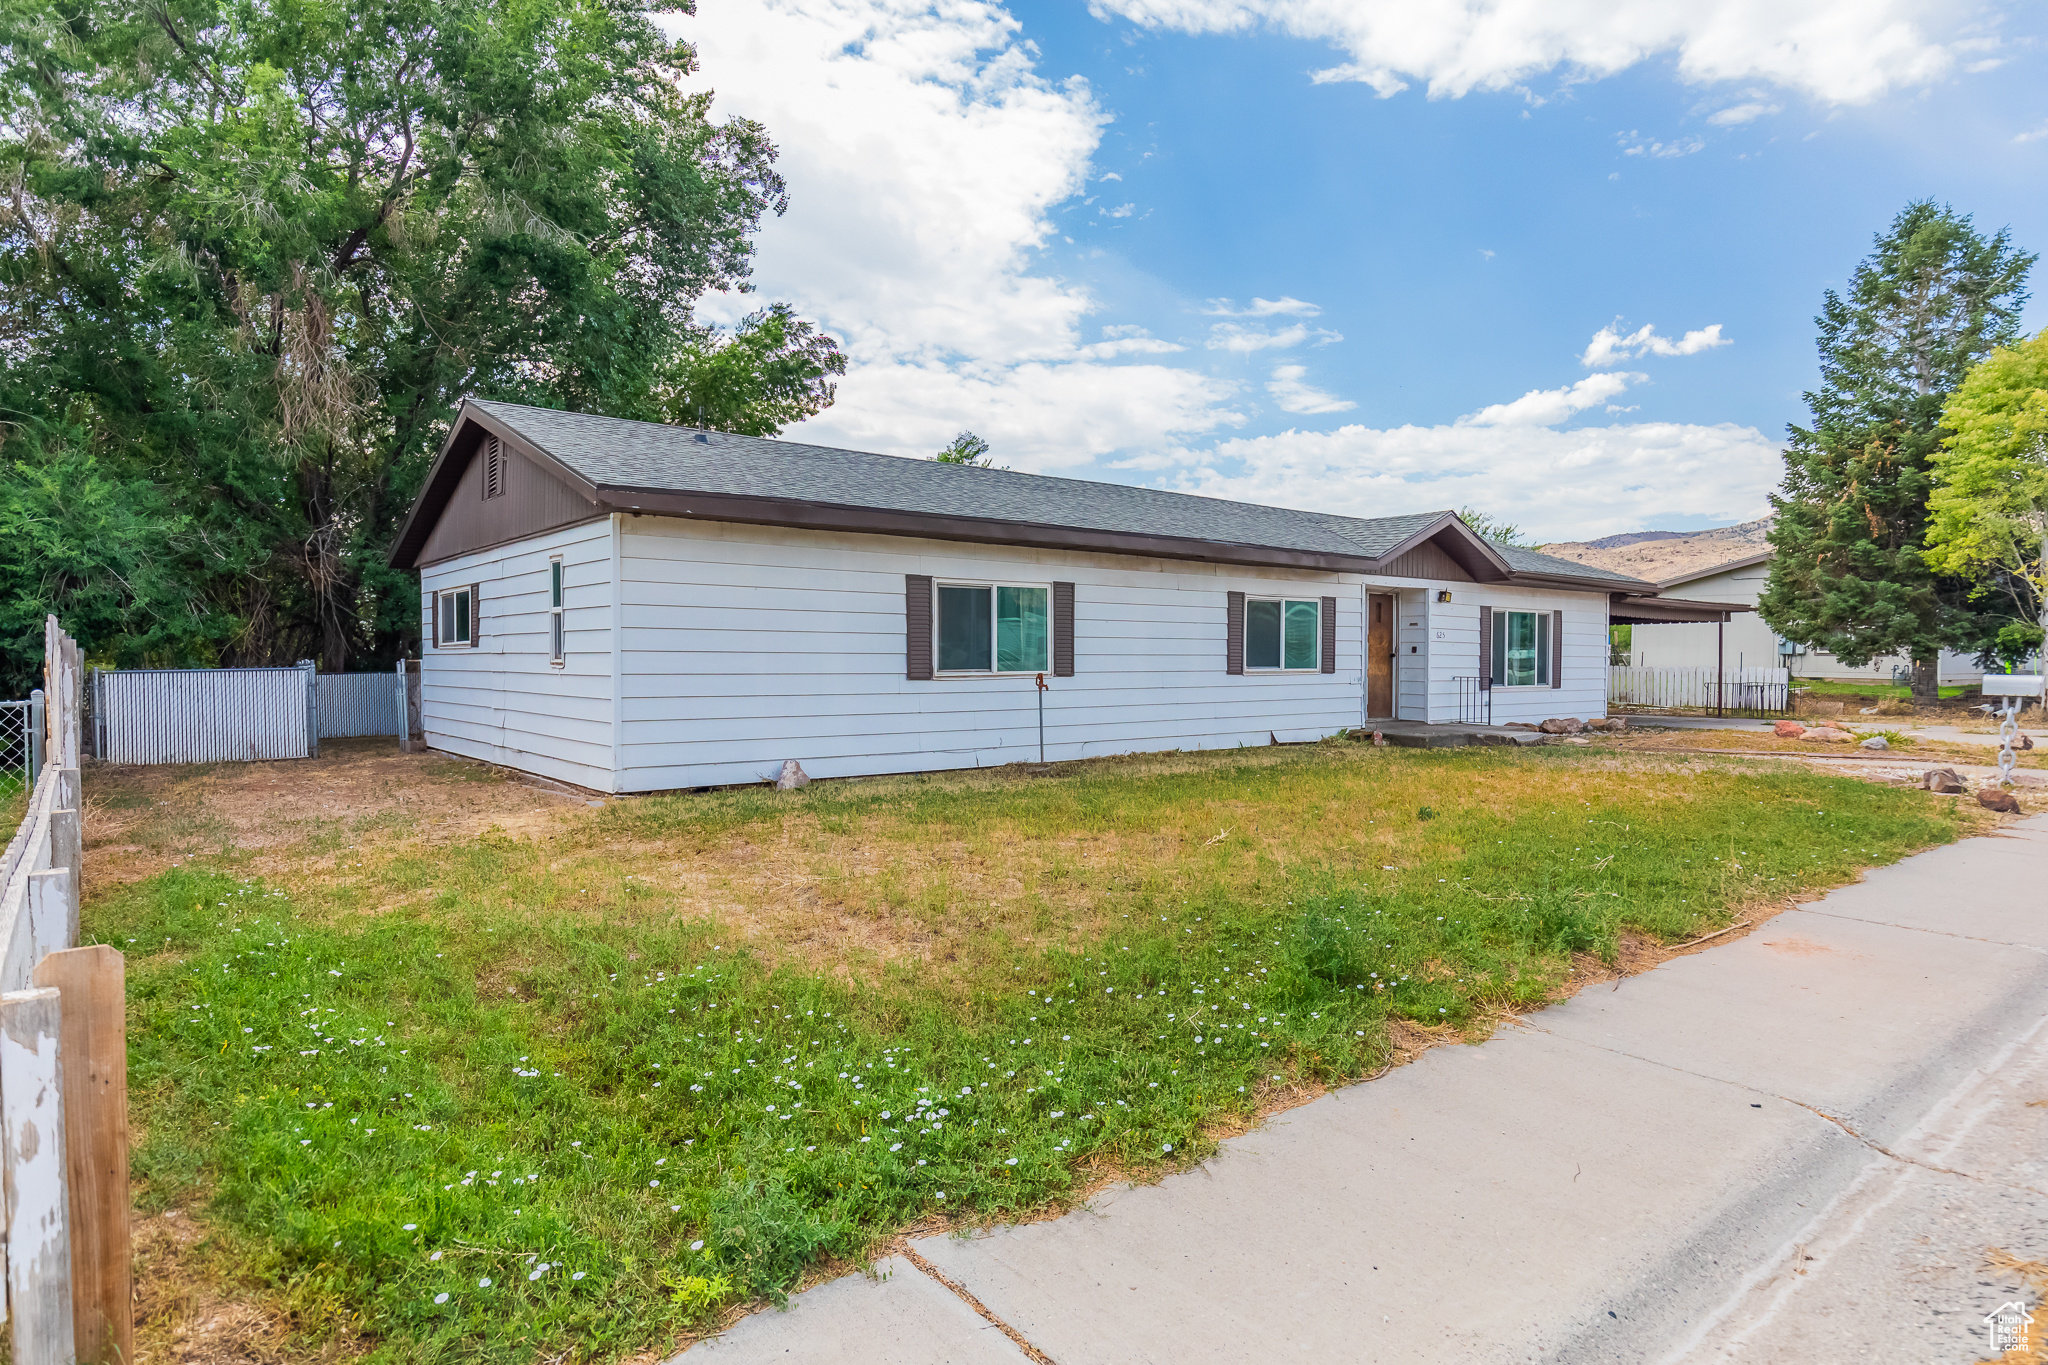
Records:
x=1111, y=176
x=1838, y=51
x=1232, y=336
x=1559, y=485
x=1547, y=407
x=1610, y=347
x=926, y=155
x=1635, y=144
x=1118, y=341
x=1741, y=113
x=1286, y=306
x=1293, y=395
x=2033, y=135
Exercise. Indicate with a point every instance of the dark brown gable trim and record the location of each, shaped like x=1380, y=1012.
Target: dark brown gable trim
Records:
x=1557, y=648
x=1063, y=630
x=1486, y=646
x=1233, y=634
x=1329, y=624
x=917, y=627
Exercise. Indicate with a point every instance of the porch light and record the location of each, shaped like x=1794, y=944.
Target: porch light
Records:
x=1443, y=595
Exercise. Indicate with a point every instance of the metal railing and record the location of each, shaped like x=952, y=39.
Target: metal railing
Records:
x=1475, y=701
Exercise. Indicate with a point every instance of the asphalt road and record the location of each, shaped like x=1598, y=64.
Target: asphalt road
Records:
x=1806, y=1145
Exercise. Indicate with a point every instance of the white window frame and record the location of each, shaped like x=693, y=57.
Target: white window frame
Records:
x=558, y=643
x=991, y=584
x=1546, y=648
x=1316, y=663
x=444, y=619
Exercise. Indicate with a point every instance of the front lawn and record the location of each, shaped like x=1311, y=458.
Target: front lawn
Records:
x=577, y=1086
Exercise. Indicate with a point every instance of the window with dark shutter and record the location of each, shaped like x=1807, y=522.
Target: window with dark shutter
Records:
x=494, y=467
x=476, y=612
x=1557, y=649
x=1233, y=634
x=1486, y=678
x=1329, y=635
x=917, y=627
x=1063, y=630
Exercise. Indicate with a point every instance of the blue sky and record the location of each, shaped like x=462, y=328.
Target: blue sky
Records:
x=1146, y=242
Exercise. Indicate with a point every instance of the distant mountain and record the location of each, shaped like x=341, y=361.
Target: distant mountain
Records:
x=1658, y=555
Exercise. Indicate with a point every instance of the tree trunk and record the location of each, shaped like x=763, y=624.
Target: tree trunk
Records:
x=1927, y=682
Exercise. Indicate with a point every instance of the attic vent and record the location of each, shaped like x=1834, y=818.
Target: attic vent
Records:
x=494, y=467
x=705, y=439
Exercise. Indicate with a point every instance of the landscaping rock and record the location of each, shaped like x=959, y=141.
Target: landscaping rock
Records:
x=1943, y=780
x=1788, y=729
x=2024, y=742
x=1560, y=726
x=792, y=776
x=1875, y=742
x=1991, y=798
x=1617, y=723
x=1379, y=739
x=1828, y=734
x=1520, y=725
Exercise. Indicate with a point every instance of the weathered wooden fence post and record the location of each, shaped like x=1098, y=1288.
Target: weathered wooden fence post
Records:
x=38, y=1204
x=92, y=989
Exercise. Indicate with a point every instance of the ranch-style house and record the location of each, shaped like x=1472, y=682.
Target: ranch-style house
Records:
x=635, y=607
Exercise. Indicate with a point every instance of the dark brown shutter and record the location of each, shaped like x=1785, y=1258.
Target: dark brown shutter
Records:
x=1329, y=635
x=1233, y=635
x=434, y=607
x=1063, y=630
x=1557, y=649
x=1486, y=646
x=476, y=612
x=917, y=627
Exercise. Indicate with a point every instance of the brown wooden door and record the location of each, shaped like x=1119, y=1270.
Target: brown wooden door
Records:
x=1379, y=654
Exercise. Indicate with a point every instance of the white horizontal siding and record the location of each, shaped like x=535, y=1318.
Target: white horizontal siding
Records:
x=745, y=646
x=502, y=700
x=1454, y=633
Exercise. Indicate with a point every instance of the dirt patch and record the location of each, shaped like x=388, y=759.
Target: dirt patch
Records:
x=141, y=820
x=187, y=1310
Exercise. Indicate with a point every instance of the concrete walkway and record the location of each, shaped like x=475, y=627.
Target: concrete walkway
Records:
x=1795, y=1148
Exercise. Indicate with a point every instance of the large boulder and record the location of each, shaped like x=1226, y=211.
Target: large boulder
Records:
x=1560, y=726
x=1991, y=798
x=792, y=776
x=1788, y=729
x=1943, y=780
x=1828, y=734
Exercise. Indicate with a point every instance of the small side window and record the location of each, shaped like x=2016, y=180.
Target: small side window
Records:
x=556, y=643
x=455, y=613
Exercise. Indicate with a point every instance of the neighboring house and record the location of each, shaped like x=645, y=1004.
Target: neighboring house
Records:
x=636, y=607
x=1748, y=641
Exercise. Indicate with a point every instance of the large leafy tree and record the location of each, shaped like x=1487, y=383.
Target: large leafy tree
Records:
x=1989, y=508
x=258, y=249
x=1848, y=575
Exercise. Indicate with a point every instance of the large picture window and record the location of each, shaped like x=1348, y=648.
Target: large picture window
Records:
x=1521, y=649
x=993, y=628
x=1282, y=634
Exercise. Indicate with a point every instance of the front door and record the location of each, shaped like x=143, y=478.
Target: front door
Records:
x=1379, y=654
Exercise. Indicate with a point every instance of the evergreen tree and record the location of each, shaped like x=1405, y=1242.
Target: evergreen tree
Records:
x=1932, y=299
x=967, y=449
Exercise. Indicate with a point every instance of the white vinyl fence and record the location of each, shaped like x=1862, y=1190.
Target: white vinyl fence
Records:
x=1765, y=690
x=63, y=1068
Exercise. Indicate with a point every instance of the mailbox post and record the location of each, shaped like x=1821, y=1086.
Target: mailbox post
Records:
x=2017, y=689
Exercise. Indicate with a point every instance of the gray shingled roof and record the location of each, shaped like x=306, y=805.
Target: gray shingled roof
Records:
x=617, y=454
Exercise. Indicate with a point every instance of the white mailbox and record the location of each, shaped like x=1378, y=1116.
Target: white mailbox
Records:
x=2013, y=684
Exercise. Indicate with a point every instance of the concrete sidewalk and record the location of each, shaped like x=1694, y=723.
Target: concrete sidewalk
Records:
x=1798, y=1147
